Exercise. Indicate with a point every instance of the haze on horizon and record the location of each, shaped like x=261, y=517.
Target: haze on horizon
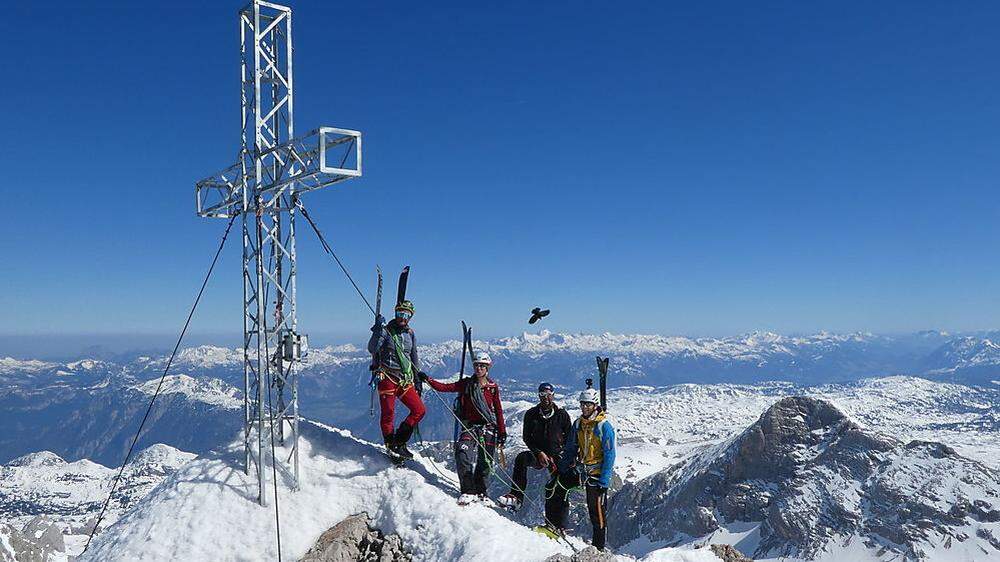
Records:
x=698, y=170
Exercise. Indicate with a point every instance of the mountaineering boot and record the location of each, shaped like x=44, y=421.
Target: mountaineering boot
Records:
x=390, y=446
x=485, y=500
x=403, y=434
x=510, y=501
x=466, y=499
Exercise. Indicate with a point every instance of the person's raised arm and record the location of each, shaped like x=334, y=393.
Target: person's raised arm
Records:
x=378, y=332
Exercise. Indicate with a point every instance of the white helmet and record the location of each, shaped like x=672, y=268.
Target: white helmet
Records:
x=481, y=358
x=590, y=395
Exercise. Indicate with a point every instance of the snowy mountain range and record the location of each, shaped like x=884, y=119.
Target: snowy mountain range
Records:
x=638, y=359
x=49, y=506
x=932, y=440
x=83, y=394
x=805, y=481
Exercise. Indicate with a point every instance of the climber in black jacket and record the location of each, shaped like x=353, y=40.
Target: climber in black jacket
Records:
x=545, y=429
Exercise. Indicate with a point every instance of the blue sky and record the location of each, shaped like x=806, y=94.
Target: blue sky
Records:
x=653, y=167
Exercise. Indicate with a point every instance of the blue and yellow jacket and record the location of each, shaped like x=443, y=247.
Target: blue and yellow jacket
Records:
x=592, y=445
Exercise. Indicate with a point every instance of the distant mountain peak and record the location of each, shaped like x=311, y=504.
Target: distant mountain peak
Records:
x=812, y=479
x=206, y=390
x=41, y=458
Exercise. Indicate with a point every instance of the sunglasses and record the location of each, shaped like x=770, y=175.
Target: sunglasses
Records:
x=546, y=394
x=406, y=315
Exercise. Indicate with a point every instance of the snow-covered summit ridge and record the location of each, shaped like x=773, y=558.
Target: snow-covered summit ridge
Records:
x=208, y=391
x=41, y=458
x=207, y=511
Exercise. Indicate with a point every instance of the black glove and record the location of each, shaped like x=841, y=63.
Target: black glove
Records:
x=422, y=376
x=379, y=322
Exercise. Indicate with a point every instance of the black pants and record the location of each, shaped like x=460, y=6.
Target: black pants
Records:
x=475, y=447
x=556, y=508
x=597, y=503
x=557, y=505
x=523, y=461
x=557, y=498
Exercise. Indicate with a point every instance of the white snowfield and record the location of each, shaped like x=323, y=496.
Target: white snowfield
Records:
x=70, y=494
x=660, y=427
x=207, y=510
x=209, y=391
x=9, y=365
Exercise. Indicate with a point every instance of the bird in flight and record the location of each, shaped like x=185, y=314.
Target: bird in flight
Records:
x=537, y=314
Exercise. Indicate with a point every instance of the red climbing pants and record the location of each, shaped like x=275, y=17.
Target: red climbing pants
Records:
x=388, y=391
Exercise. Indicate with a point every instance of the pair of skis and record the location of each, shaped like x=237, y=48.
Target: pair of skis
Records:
x=466, y=345
x=404, y=277
x=602, y=372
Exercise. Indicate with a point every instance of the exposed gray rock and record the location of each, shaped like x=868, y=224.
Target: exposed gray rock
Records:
x=354, y=539
x=24, y=549
x=589, y=554
x=810, y=476
x=728, y=554
x=45, y=534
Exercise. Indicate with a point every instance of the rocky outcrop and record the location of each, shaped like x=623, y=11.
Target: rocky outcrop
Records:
x=725, y=553
x=589, y=554
x=37, y=541
x=728, y=554
x=355, y=539
x=810, y=477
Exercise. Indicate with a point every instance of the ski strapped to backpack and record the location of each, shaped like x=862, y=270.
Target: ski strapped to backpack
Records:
x=401, y=287
x=466, y=336
x=374, y=367
x=602, y=371
x=406, y=366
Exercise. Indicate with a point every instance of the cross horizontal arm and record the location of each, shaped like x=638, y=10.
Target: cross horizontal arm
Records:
x=322, y=157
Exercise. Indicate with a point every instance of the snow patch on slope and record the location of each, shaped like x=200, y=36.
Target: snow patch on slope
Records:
x=9, y=366
x=208, y=391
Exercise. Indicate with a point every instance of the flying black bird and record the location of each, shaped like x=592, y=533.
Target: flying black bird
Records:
x=537, y=314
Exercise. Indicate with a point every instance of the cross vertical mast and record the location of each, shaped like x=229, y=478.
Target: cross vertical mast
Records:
x=264, y=186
